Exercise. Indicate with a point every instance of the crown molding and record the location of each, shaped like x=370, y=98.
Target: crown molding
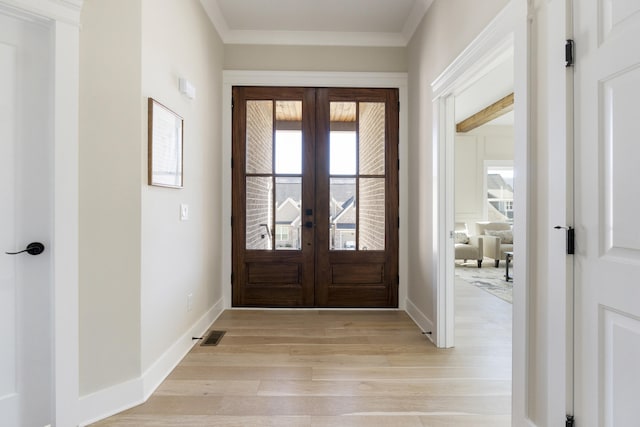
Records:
x=59, y=10
x=317, y=38
x=314, y=38
x=214, y=13
x=420, y=8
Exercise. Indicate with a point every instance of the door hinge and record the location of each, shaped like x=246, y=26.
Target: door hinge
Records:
x=232, y=221
x=398, y=222
x=571, y=233
x=398, y=164
x=232, y=278
x=397, y=279
x=571, y=237
x=568, y=53
x=232, y=103
x=570, y=421
x=232, y=163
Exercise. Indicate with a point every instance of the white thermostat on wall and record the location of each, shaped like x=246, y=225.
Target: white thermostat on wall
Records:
x=186, y=88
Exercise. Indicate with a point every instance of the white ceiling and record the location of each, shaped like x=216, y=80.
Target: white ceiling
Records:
x=317, y=22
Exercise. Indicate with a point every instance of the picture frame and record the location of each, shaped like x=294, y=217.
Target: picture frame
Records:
x=165, y=135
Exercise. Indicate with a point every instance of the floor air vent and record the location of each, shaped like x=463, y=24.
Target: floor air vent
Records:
x=213, y=338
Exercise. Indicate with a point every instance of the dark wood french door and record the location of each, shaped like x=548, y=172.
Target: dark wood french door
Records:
x=315, y=197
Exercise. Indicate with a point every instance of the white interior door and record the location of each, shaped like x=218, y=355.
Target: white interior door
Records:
x=26, y=378
x=607, y=353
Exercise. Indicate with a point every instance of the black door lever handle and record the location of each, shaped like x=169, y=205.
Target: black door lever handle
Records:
x=34, y=248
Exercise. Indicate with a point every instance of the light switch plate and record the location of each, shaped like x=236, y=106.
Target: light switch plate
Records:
x=184, y=212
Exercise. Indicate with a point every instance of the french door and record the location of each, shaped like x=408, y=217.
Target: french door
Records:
x=315, y=197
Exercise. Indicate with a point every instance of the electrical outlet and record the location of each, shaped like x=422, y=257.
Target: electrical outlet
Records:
x=184, y=212
x=189, y=302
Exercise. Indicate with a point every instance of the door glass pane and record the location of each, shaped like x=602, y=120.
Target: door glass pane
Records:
x=343, y=153
x=371, y=214
x=343, y=139
x=289, y=137
x=371, y=138
x=259, y=136
x=259, y=212
x=289, y=152
x=342, y=214
x=288, y=202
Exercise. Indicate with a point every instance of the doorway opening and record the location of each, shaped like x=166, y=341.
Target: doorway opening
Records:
x=315, y=197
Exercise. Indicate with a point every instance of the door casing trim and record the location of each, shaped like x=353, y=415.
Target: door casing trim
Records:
x=310, y=79
x=65, y=21
x=491, y=47
x=511, y=27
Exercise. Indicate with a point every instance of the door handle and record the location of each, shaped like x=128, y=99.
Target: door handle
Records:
x=34, y=248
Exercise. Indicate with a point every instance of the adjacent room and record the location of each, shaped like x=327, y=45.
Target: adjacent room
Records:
x=484, y=181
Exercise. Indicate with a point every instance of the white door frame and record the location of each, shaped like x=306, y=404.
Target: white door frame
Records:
x=555, y=108
x=493, y=46
x=508, y=30
x=65, y=21
x=313, y=79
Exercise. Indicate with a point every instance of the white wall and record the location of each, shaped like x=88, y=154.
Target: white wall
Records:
x=138, y=260
x=181, y=257
x=472, y=149
x=448, y=27
x=110, y=190
x=315, y=58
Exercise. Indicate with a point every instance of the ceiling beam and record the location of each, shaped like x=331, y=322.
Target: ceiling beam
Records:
x=493, y=111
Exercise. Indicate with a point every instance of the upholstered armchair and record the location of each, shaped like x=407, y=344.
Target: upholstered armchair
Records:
x=497, y=239
x=466, y=246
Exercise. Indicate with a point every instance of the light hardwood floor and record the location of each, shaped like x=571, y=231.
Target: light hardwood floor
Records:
x=341, y=368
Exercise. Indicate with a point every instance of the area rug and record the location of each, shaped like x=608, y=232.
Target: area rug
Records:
x=488, y=278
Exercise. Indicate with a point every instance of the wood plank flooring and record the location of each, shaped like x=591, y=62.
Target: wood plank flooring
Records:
x=341, y=368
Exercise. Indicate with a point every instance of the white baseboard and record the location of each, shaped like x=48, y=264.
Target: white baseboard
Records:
x=156, y=373
x=420, y=319
x=110, y=401
x=120, y=397
x=9, y=405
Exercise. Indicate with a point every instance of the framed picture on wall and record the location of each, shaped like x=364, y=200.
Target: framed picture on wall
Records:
x=165, y=146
